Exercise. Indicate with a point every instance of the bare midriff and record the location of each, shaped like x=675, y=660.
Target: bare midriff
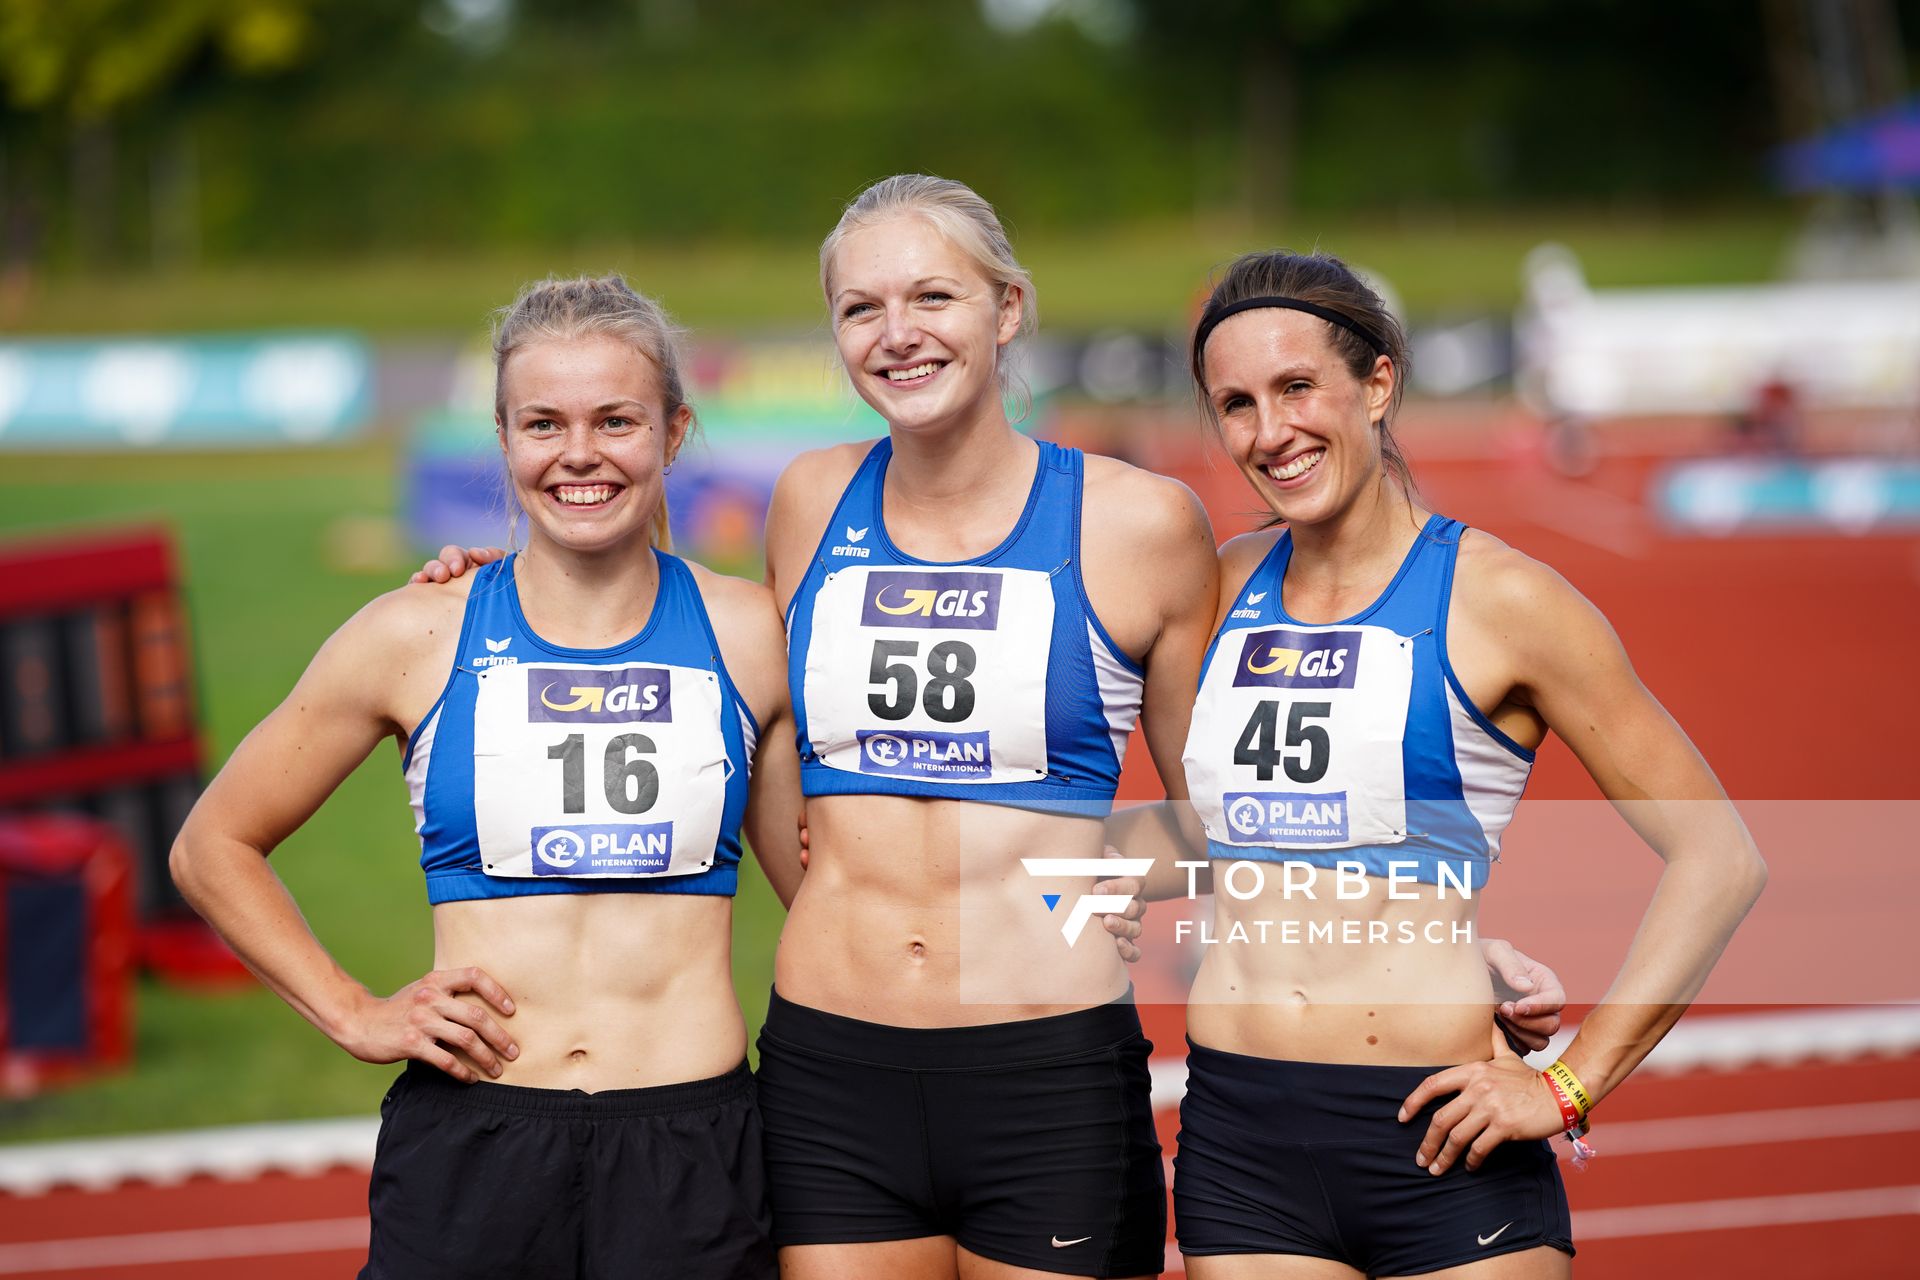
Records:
x=918, y=913
x=1370, y=979
x=610, y=990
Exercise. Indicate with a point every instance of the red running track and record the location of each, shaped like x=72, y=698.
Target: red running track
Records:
x=1758, y=1197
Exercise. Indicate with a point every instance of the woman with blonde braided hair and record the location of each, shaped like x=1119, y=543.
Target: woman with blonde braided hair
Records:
x=577, y=725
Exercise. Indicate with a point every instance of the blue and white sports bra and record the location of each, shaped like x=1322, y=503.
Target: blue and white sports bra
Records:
x=1353, y=741
x=986, y=679
x=544, y=769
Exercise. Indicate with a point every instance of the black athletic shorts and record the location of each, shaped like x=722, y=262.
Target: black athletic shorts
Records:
x=1311, y=1158
x=1030, y=1143
x=486, y=1181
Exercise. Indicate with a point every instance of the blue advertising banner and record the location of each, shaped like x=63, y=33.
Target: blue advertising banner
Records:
x=1739, y=495
x=241, y=392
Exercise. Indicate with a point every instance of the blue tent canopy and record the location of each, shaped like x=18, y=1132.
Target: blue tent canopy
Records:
x=1877, y=152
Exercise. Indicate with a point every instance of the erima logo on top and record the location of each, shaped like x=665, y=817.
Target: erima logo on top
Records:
x=927, y=598
x=610, y=695
x=1299, y=659
x=853, y=536
x=494, y=657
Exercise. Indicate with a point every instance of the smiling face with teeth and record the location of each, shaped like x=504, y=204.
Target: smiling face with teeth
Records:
x=587, y=436
x=1294, y=418
x=920, y=328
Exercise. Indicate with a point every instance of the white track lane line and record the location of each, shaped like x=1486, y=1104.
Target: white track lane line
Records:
x=1756, y=1128
x=232, y=1152
x=1744, y=1214
x=322, y=1235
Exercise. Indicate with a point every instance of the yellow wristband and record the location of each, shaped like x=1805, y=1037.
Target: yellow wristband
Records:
x=1562, y=1073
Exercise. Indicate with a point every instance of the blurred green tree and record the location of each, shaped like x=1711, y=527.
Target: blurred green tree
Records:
x=276, y=128
x=74, y=71
x=1262, y=43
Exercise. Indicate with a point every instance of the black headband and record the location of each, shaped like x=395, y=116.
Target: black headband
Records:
x=1212, y=320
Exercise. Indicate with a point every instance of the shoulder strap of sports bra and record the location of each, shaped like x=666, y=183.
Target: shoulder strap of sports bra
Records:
x=487, y=598
x=1073, y=464
x=862, y=502
x=852, y=496
x=680, y=604
x=1427, y=579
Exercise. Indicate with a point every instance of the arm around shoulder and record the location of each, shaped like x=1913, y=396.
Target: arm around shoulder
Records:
x=753, y=644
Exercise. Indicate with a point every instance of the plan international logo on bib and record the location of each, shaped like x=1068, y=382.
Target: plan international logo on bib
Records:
x=926, y=598
x=619, y=849
x=1288, y=659
x=604, y=695
x=924, y=753
x=1259, y=817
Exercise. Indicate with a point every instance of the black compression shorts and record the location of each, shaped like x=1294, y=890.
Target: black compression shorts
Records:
x=486, y=1181
x=1030, y=1143
x=1311, y=1158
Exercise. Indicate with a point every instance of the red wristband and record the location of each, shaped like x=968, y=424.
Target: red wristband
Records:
x=1575, y=1122
x=1568, y=1112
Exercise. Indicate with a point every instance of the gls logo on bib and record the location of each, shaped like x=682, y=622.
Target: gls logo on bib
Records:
x=1287, y=659
x=616, y=695
x=948, y=600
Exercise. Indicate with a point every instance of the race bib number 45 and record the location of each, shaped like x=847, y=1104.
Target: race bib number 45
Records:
x=1296, y=737
x=597, y=771
x=933, y=675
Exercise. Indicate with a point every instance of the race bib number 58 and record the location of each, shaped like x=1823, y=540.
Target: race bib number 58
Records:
x=933, y=675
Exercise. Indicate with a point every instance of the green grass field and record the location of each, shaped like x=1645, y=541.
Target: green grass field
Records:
x=1142, y=276
x=254, y=533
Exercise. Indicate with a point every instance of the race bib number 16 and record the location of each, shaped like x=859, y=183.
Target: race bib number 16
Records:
x=597, y=771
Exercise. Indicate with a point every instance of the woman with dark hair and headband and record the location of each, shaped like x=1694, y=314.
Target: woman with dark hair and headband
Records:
x=1379, y=680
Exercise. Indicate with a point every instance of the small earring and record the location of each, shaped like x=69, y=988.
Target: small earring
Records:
x=667, y=470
